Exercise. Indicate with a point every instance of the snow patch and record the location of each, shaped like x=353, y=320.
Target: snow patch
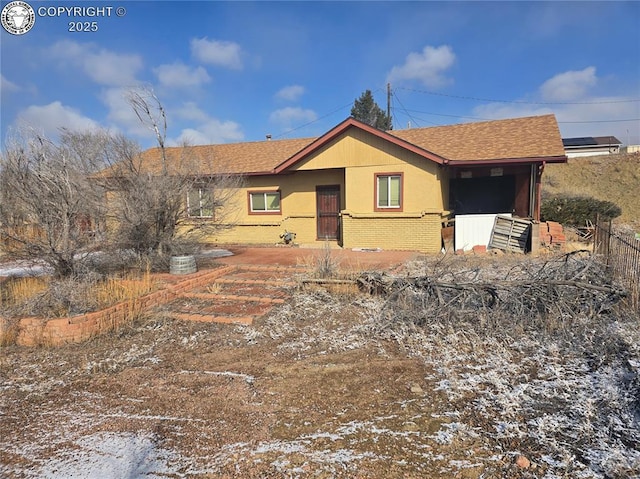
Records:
x=108, y=455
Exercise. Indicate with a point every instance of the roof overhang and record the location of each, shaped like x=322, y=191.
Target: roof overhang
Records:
x=508, y=161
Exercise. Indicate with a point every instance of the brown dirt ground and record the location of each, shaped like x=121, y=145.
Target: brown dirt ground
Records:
x=243, y=402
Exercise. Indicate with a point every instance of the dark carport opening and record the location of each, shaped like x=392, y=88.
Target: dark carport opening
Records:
x=483, y=195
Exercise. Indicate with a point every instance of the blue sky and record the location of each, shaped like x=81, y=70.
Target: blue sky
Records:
x=236, y=71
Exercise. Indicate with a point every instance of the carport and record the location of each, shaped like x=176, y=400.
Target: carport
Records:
x=479, y=191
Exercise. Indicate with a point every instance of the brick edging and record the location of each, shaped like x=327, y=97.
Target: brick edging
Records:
x=75, y=329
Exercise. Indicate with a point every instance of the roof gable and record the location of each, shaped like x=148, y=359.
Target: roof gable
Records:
x=341, y=128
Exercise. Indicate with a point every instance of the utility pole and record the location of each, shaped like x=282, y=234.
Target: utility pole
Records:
x=389, y=106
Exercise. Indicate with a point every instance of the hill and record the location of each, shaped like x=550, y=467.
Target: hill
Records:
x=613, y=178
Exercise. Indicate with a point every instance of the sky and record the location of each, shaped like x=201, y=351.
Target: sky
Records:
x=237, y=71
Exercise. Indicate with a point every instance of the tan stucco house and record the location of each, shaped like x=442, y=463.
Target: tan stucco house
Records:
x=365, y=188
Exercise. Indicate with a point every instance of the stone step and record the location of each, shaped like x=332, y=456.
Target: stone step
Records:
x=203, y=318
x=233, y=297
x=269, y=282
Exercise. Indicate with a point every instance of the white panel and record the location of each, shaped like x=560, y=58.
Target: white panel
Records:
x=474, y=230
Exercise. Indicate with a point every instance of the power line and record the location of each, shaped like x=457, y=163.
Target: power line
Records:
x=313, y=121
x=602, y=121
x=460, y=97
x=493, y=119
x=405, y=110
x=450, y=116
x=322, y=117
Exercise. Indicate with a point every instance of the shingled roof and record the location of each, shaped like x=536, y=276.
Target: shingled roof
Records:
x=517, y=138
x=514, y=140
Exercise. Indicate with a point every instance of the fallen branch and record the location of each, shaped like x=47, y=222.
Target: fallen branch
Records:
x=570, y=287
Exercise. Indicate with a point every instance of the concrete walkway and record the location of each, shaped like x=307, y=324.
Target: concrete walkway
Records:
x=291, y=256
x=261, y=277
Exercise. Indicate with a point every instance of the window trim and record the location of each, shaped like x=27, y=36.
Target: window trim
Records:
x=263, y=192
x=200, y=190
x=387, y=209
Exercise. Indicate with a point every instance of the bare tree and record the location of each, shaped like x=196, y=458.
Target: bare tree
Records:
x=96, y=189
x=167, y=200
x=49, y=208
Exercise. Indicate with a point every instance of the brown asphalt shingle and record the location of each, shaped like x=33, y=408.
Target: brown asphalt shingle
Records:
x=531, y=137
x=519, y=138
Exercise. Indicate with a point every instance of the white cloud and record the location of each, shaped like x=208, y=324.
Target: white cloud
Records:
x=121, y=114
x=588, y=115
x=216, y=52
x=572, y=119
x=191, y=111
x=498, y=111
x=290, y=93
x=569, y=86
x=52, y=117
x=213, y=131
x=179, y=75
x=6, y=86
x=290, y=115
x=102, y=66
x=206, y=129
x=428, y=67
x=202, y=129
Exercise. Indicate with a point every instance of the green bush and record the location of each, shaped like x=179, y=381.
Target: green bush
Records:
x=577, y=210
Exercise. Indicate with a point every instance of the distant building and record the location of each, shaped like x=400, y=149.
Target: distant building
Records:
x=631, y=149
x=591, y=146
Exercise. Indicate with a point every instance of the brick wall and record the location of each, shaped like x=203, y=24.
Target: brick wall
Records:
x=418, y=233
x=53, y=332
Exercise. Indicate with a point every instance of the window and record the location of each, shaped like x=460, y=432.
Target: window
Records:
x=264, y=202
x=389, y=191
x=200, y=203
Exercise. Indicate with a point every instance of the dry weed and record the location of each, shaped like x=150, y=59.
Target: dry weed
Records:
x=20, y=297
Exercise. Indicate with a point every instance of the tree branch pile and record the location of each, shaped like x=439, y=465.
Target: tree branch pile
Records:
x=549, y=294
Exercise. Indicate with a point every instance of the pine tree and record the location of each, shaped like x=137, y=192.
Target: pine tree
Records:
x=367, y=111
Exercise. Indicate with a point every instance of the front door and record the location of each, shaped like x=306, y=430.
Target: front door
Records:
x=328, y=203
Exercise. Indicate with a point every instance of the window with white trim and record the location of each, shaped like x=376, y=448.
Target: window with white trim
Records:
x=200, y=203
x=265, y=202
x=389, y=191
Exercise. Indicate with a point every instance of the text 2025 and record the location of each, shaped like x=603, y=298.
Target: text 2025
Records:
x=83, y=26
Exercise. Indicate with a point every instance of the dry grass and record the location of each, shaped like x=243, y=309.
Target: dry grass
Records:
x=130, y=287
x=214, y=288
x=36, y=296
x=331, y=263
x=20, y=290
x=613, y=178
x=324, y=264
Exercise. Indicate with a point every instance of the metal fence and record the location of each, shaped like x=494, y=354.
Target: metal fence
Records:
x=621, y=253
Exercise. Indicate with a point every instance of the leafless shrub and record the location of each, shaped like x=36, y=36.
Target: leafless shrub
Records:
x=49, y=208
x=166, y=201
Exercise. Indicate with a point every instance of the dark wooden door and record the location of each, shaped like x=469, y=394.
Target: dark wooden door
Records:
x=328, y=202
